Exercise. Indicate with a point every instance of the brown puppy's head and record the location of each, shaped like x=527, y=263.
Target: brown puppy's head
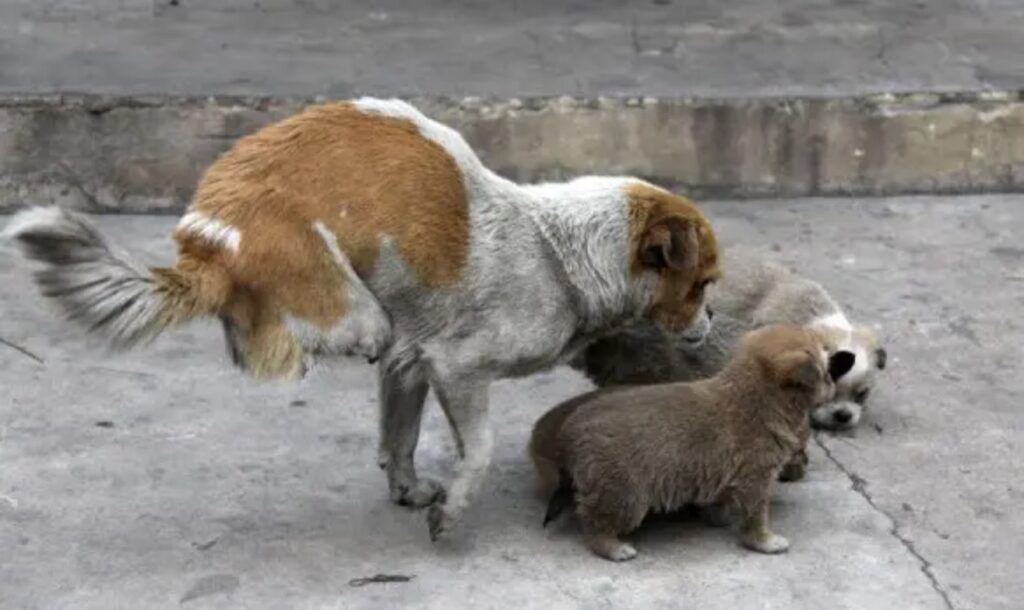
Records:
x=798, y=359
x=673, y=240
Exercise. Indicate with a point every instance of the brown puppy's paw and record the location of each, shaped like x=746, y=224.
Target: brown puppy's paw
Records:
x=767, y=542
x=795, y=468
x=423, y=492
x=623, y=552
x=610, y=547
x=794, y=471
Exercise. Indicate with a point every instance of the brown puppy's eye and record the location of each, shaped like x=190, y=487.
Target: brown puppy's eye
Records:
x=861, y=395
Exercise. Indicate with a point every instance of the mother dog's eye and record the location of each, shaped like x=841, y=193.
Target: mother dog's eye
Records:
x=861, y=395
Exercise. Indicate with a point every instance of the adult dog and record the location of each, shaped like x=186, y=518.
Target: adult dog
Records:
x=366, y=228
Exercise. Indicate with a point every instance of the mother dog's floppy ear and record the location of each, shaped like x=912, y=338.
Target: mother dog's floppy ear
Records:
x=840, y=364
x=670, y=242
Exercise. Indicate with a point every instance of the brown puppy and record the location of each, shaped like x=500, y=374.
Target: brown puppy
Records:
x=622, y=453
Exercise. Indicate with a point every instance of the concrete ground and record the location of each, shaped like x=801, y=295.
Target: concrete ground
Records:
x=164, y=478
x=733, y=48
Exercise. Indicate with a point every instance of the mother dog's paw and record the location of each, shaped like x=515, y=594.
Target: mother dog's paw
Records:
x=423, y=492
x=440, y=520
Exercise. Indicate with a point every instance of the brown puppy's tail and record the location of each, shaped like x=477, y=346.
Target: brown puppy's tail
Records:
x=103, y=289
x=545, y=452
x=561, y=499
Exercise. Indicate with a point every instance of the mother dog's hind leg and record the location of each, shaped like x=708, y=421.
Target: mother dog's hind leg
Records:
x=402, y=393
x=465, y=404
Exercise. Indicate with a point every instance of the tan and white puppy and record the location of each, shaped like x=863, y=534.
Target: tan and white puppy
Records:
x=753, y=292
x=366, y=228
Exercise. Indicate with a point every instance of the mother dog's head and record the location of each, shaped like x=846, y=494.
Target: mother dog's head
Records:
x=673, y=245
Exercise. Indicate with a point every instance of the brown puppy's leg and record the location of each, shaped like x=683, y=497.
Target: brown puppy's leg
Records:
x=795, y=469
x=754, y=532
x=606, y=544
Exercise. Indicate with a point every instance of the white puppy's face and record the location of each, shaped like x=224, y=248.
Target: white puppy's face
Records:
x=837, y=415
x=852, y=389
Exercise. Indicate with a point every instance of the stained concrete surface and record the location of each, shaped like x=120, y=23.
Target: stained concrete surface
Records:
x=140, y=155
x=514, y=48
x=164, y=479
x=732, y=98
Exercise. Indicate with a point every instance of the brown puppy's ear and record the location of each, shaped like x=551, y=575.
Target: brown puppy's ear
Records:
x=798, y=368
x=670, y=243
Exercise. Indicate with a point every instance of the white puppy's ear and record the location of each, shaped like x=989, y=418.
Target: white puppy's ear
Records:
x=840, y=364
x=670, y=243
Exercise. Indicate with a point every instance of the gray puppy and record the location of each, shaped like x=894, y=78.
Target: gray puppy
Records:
x=619, y=454
x=751, y=293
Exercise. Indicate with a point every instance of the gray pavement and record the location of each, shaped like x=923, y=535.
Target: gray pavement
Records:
x=164, y=479
x=734, y=48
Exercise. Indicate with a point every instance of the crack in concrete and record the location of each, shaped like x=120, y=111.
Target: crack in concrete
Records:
x=634, y=37
x=21, y=349
x=860, y=485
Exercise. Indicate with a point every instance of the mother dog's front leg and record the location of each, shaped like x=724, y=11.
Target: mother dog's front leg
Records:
x=465, y=404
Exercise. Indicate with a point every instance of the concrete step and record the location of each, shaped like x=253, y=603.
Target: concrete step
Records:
x=128, y=153
x=733, y=98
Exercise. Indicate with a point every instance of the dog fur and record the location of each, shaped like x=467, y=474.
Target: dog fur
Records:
x=752, y=293
x=619, y=454
x=365, y=228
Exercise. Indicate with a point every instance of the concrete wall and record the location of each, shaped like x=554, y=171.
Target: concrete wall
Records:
x=138, y=154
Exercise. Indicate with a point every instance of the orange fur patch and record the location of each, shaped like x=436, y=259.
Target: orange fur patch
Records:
x=680, y=293
x=363, y=176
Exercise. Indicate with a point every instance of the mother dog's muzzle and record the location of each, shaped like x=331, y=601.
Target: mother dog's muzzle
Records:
x=698, y=330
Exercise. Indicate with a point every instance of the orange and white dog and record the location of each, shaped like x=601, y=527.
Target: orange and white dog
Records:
x=366, y=228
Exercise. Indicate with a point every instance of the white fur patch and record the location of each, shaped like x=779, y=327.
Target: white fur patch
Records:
x=332, y=246
x=26, y=220
x=211, y=229
x=836, y=319
x=586, y=222
x=472, y=169
x=364, y=330
x=860, y=364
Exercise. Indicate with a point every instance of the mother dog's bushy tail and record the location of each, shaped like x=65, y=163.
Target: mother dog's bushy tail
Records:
x=105, y=291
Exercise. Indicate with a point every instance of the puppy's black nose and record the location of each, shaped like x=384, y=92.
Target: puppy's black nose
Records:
x=842, y=416
x=711, y=314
